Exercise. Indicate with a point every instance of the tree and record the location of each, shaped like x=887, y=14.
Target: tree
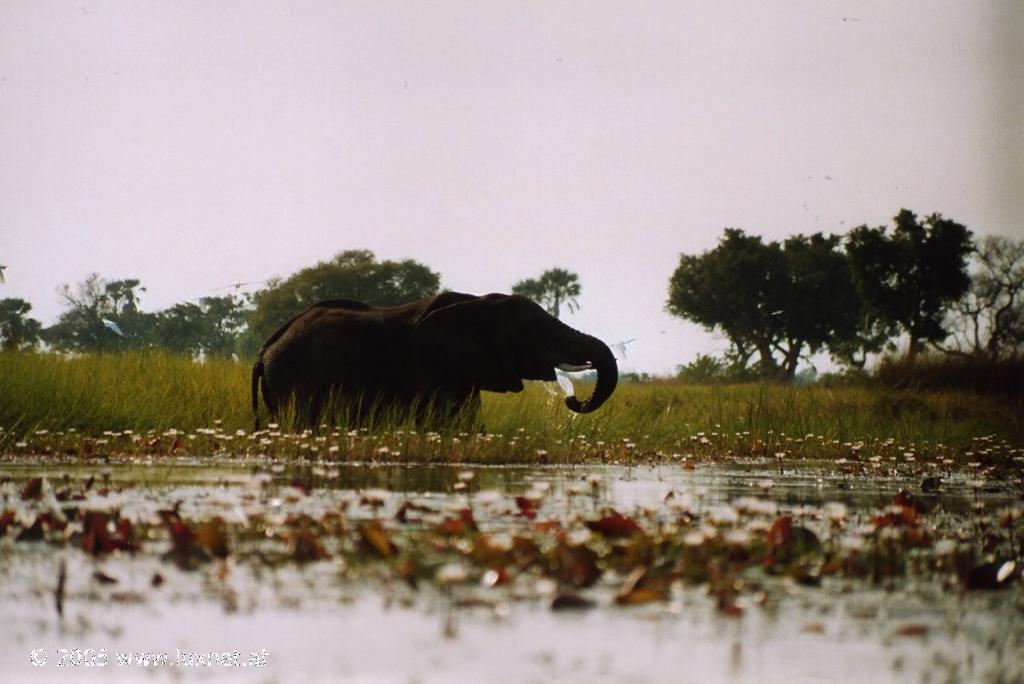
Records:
x=94, y=309
x=989, y=319
x=554, y=287
x=225, y=318
x=822, y=307
x=212, y=327
x=705, y=369
x=775, y=300
x=909, y=278
x=870, y=336
x=353, y=274
x=16, y=330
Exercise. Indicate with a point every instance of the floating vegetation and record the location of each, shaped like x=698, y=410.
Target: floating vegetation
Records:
x=993, y=457
x=853, y=556
x=573, y=550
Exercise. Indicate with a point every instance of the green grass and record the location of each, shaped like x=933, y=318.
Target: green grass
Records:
x=161, y=395
x=116, y=392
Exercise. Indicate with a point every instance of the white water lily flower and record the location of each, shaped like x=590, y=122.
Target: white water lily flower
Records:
x=852, y=542
x=759, y=526
x=451, y=573
x=110, y=503
x=835, y=511
x=724, y=515
x=737, y=537
x=578, y=537
x=489, y=497
x=501, y=541
x=751, y=506
x=694, y=538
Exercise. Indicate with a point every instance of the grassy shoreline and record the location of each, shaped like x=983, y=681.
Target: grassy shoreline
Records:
x=157, y=394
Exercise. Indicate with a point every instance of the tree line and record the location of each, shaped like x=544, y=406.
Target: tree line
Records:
x=104, y=316
x=924, y=281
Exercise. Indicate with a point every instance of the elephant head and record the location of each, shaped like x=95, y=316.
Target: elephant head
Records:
x=496, y=341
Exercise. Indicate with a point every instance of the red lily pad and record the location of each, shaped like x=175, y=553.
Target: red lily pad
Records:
x=614, y=525
x=98, y=538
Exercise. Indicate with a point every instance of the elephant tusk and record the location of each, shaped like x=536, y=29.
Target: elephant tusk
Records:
x=569, y=368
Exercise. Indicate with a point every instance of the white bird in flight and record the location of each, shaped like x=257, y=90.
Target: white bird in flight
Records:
x=239, y=285
x=620, y=347
x=113, y=326
x=564, y=382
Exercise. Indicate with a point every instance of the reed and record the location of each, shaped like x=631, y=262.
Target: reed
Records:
x=155, y=393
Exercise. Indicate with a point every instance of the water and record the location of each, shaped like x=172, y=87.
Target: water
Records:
x=335, y=619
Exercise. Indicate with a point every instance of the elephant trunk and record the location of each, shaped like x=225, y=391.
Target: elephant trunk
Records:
x=602, y=360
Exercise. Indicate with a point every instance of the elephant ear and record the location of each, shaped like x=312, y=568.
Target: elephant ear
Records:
x=461, y=345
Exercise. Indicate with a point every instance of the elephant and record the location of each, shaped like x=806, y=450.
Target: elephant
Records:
x=428, y=359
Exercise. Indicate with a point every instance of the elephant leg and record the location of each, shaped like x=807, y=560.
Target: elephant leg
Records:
x=308, y=413
x=452, y=410
x=315, y=409
x=471, y=407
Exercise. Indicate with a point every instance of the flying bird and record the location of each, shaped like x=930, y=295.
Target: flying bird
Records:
x=113, y=326
x=2, y=267
x=620, y=347
x=239, y=285
x=564, y=382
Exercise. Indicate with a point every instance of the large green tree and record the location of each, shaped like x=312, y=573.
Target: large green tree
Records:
x=555, y=287
x=17, y=329
x=101, y=315
x=212, y=327
x=911, y=276
x=779, y=301
x=353, y=274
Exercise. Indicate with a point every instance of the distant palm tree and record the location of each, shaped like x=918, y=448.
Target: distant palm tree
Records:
x=555, y=287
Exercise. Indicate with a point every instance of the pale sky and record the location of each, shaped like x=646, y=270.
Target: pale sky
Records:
x=196, y=144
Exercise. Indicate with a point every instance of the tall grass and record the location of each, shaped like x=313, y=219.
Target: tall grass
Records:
x=153, y=391
x=140, y=390
x=674, y=415
x=969, y=373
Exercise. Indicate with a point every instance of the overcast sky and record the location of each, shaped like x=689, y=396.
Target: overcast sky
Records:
x=197, y=144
